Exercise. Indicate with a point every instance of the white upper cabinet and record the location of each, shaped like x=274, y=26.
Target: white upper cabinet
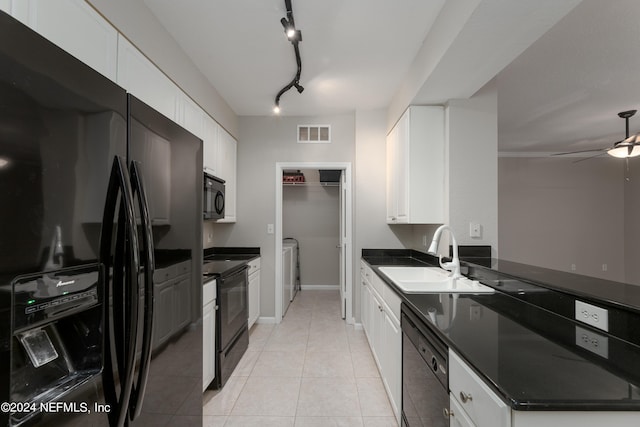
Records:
x=226, y=169
x=144, y=80
x=416, y=167
x=5, y=6
x=74, y=26
x=189, y=115
x=210, y=146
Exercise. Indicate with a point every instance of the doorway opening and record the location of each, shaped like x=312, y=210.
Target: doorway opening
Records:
x=336, y=185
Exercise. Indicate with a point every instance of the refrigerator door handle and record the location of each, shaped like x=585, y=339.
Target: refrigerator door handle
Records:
x=137, y=397
x=124, y=270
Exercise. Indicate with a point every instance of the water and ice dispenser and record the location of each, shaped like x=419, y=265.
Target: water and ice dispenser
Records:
x=56, y=344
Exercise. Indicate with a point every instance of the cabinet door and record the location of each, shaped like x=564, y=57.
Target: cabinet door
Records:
x=189, y=115
x=254, y=297
x=392, y=201
x=377, y=324
x=484, y=407
x=210, y=146
x=365, y=308
x=182, y=304
x=401, y=169
x=208, y=342
x=458, y=418
x=143, y=79
x=75, y=27
x=392, y=361
x=162, y=314
x=154, y=152
x=227, y=152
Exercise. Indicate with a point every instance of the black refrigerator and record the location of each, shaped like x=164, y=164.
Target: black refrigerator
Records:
x=100, y=248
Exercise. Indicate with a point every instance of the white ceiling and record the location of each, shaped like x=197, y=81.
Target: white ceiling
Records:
x=354, y=53
x=562, y=93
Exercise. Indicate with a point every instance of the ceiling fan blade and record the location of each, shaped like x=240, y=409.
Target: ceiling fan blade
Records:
x=589, y=158
x=581, y=151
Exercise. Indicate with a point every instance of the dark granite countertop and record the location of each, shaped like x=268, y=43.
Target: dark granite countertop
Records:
x=226, y=260
x=525, y=353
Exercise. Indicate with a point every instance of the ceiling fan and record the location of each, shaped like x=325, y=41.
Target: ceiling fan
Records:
x=628, y=147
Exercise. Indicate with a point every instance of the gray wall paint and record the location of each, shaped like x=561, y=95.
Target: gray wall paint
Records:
x=263, y=142
x=472, y=179
x=631, y=223
x=311, y=215
x=140, y=26
x=554, y=213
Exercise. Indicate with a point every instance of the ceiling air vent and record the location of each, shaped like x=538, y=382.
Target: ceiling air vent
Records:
x=314, y=134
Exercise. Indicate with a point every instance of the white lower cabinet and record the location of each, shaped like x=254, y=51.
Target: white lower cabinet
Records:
x=254, y=291
x=457, y=416
x=382, y=328
x=481, y=405
x=208, y=333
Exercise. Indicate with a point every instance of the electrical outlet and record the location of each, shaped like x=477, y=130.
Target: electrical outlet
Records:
x=210, y=238
x=592, y=341
x=424, y=240
x=573, y=267
x=270, y=229
x=592, y=315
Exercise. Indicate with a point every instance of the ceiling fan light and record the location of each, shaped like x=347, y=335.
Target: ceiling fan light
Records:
x=622, y=151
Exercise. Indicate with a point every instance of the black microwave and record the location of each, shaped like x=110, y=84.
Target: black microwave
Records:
x=213, y=198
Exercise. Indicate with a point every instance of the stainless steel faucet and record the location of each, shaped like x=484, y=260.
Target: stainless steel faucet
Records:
x=454, y=265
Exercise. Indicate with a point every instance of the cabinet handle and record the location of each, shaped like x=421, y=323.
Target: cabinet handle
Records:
x=447, y=413
x=465, y=397
x=380, y=307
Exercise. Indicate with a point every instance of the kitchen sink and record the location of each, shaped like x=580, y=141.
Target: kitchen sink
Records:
x=431, y=280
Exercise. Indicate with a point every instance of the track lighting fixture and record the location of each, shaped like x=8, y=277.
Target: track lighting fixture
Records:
x=295, y=37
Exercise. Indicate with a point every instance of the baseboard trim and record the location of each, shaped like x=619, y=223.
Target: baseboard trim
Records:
x=320, y=287
x=266, y=320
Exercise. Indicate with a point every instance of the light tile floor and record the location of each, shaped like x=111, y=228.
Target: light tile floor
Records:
x=311, y=370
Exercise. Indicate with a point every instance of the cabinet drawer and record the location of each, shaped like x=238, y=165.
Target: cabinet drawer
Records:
x=161, y=275
x=458, y=417
x=482, y=405
x=183, y=268
x=209, y=292
x=366, y=271
x=392, y=299
x=254, y=265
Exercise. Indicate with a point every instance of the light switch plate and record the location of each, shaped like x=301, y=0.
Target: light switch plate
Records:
x=595, y=316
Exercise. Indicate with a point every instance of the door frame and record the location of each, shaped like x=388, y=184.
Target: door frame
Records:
x=346, y=168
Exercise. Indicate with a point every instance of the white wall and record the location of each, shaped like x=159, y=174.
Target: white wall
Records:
x=140, y=26
x=472, y=160
x=554, y=213
x=264, y=141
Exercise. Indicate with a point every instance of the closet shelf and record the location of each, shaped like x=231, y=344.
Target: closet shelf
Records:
x=310, y=184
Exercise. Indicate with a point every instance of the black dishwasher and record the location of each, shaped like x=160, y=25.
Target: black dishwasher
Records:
x=425, y=397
